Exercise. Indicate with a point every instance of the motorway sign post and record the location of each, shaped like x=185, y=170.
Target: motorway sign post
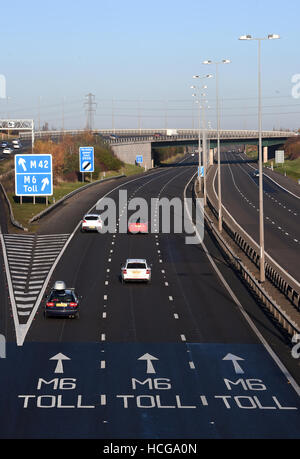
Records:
x=202, y=171
x=279, y=156
x=86, y=160
x=33, y=175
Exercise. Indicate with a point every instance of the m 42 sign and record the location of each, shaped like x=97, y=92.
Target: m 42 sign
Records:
x=33, y=175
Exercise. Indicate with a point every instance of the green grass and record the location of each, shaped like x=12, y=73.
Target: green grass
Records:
x=251, y=152
x=25, y=211
x=289, y=168
x=173, y=159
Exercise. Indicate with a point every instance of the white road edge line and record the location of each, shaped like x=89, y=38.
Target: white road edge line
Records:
x=235, y=299
x=254, y=242
x=21, y=330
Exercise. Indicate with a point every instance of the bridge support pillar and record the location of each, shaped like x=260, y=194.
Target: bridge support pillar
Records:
x=128, y=152
x=265, y=154
x=211, y=156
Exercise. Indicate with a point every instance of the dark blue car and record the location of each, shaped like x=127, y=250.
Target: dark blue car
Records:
x=62, y=301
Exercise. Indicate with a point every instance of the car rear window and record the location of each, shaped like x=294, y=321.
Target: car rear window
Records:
x=136, y=266
x=65, y=296
x=91, y=217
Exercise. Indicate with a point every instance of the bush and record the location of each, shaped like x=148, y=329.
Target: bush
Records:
x=65, y=156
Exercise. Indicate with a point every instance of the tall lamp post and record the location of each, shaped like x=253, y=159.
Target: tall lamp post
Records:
x=199, y=128
x=223, y=61
x=260, y=159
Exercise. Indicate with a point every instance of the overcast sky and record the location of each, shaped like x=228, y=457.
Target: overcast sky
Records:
x=138, y=59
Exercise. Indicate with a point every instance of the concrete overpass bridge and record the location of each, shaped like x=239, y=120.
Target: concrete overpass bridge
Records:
x=127, y=144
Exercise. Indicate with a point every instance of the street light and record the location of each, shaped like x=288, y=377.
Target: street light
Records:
x=260, y=160
x=199, y=132
x=223, y=61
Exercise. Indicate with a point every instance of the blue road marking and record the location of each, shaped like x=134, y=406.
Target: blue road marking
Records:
x=159, y=396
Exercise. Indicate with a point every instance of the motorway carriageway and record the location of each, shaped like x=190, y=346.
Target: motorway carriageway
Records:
x=190, y=355
x=281, y=210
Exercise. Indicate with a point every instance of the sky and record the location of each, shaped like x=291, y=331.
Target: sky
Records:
x=138, y=58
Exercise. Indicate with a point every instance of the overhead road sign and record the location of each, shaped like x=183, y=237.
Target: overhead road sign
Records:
x=86, y=159
x=33, y=175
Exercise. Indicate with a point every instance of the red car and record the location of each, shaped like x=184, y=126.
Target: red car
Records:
x=138, y=226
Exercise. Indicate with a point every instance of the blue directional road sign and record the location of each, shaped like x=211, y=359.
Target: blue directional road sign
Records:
x=202, y=171
x=33, y=175
x=139, y=159
x=86, y=159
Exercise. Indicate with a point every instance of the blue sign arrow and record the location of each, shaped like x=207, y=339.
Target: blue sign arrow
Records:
x=33, y=175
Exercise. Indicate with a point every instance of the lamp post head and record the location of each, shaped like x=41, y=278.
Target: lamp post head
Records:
x=273, y=36
x=245, y=37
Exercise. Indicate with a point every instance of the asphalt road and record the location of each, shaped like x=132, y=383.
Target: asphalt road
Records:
x=177, y=358
x=281, y=211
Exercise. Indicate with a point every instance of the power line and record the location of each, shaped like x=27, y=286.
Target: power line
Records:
x=90, y=111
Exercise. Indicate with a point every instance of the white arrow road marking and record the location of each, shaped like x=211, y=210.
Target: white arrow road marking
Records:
x=59, y=357
x=45, y=182
x=148, y=358
x=234, y=360
x=22, y=163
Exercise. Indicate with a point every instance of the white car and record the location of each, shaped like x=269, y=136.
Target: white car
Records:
x=91, y=222
x=17, y=145
x=136, y=269
x=7, y=151
x=15, y=141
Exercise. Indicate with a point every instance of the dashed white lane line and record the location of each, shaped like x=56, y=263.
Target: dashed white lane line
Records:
x=176, y=316
x=106, y=282
x=103, y=337
x=167, y=284
x=170, y=298
x=102, y=364
x=192, y=365
x=104, y=315
x=105, y=297
x=183, y=338
x=103, y=401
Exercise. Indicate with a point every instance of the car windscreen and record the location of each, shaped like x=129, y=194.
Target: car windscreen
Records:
x=65, y=296
x=136, y=266
x=137, y=220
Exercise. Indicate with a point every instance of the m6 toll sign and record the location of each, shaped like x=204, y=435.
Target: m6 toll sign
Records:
x=33, y=175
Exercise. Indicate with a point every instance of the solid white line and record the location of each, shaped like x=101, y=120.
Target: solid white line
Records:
x=243, y=312
x=20, y=329
x=254, y=242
